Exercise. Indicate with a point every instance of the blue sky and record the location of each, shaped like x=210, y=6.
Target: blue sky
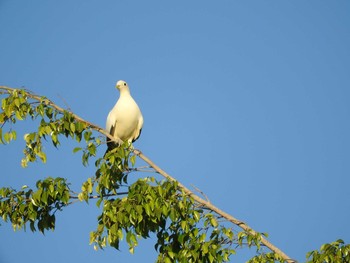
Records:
x=246, y=100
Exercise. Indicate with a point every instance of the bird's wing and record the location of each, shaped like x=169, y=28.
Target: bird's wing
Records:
x=110, y=122
x=139, y=128
x=110, y=127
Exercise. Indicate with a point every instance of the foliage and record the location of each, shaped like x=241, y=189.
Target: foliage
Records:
x=185, y=229
x=31, y=206
x=266, y=258
x=162, y=209
x=18, y=106
x=335, y=252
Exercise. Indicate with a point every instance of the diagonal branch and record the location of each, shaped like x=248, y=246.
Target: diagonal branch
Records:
x=215, y=209
x=201, y=201
x=48, y=102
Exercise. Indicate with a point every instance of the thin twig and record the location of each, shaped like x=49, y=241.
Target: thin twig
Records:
x=147, y=169
x=65, y=102
x=201, y=192
x=98, y=196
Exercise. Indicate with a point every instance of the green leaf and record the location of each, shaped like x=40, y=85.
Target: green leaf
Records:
x=184, y=225
x=89, y=184
x=133, y=160
x=16, y=101
x=79, y=126
x=87, y=136
x=98, y=203
x=92, y=148
x=49, y=112
x=77, y=149
x=18, y=115
x=82, y=197
x=130, y=238
x=196, y=216
x=47, y=130
x=65, y=197
x=7, y=137
x=202, y=238
x=213, y=222
x=44, y=197
x=1, y=140
x=72, y=127
x=42, y=156
x=54, y=138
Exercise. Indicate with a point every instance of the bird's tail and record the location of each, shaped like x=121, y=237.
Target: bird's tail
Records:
x=110, y=146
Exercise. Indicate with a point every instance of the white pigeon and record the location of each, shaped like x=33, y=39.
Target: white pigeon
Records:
x=125, y=120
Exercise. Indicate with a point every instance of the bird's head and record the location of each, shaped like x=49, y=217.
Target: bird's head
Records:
x=122, y=85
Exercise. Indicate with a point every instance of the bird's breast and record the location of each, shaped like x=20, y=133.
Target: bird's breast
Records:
x=127, y=117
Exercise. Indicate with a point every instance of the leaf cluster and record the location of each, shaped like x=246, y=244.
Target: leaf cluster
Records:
x=184, y=232
x=38, y=207
x=20, y=105
x=334, y=252
x=270, y=257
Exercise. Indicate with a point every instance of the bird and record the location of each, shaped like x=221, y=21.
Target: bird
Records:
x=125, y=120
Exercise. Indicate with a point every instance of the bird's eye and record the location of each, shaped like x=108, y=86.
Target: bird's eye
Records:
x=124, y=84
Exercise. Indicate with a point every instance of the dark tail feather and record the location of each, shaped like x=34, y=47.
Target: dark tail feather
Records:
x=110, y=146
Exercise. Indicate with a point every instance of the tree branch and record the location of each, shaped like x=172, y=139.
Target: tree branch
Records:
x=48, y=102
x=201, y=201
x=215, y=209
